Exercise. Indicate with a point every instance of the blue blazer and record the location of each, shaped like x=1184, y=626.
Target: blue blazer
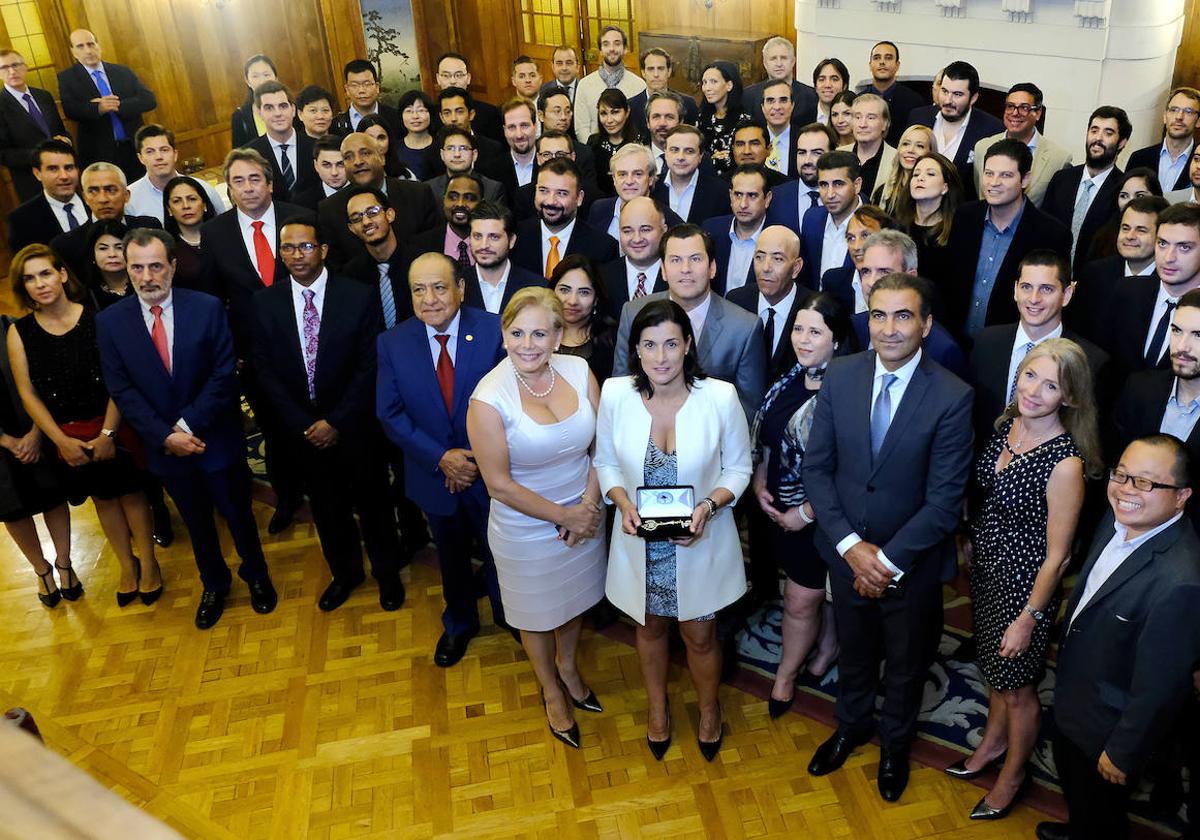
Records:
x=718, y=228
x=410, y=406
x=908, y=499
x=785, y=205
x=201, y=387
x=812, y=243
x=939, y=344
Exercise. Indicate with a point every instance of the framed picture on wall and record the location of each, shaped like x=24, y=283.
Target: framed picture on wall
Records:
x=392, y=46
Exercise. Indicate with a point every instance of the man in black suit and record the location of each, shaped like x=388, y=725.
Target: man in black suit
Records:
x=735, y=235
x=884, y=65
x=241, y=257
x=557, y=231
x=779, y=60
x=992, y=235
x=457, y=109
x=287, y=149
x=415, y=208
x=657, y=68
x=314, y=352
x=886, y=521
x=844, y=282
x=493, y=280
x=1130, y=642
x=775, y=295
x=1086, y=204
x=639, y=272
x=28, y=115
x=362, y=90
x=462, y=195
x=459, y=155
x=1165, y=400
x=1041, y=292
x=957, y=124
x=565, y=63
x=752, y=146
x=331, y=173
x=692, y=193
x=550, y=145
x=105, y=193
x=58, y=208
x=555, y=113
x=520, y=132
x=778, y=109
x=453, y=71
x=107, y=102
x=1169, y=159
x=664, y=111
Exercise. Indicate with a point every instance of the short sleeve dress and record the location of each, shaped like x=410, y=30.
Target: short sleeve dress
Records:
x=543, y=582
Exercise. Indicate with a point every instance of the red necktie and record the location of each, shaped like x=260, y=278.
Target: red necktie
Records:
x=158, y=334
x=445, y=373
x=263, y=255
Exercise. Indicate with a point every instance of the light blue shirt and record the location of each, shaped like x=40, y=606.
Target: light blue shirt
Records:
x=1170, y=169
x=992, y=250
x=681, y=201
x=1179, y=419
x=741, y=256
x=1114, y=554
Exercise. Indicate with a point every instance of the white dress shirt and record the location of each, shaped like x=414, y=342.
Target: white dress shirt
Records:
x=1160, y=308
x=659, y=154
x=949, y=148
x=1145, y=272
x=493, y=295
x=318, y=289
x=564, y=237
x=681, y=200
x=1114, y=554
x=1017, y=354
x=78, y=209
x=356, y=115
x=145, y=199
x=632, y=271
x=834, y=247
x=435, y=346
x=860, y=300
x=614, y=224
x=246, y=226
x=1097, y=182
x=782, y=308
x=741, y=256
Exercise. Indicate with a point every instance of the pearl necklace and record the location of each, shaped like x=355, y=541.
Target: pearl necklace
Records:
x=535, y=394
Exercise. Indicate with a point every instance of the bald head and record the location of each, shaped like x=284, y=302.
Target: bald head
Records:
x=363, y=159
x=777, y=262
x=85, y=48
x=640, y=229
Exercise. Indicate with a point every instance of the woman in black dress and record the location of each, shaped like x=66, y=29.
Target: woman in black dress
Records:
x=244, y=127
x=109, y=281
x=616, y=130
x=29, y=485
x=56, y=366
x=186, y=207
x=721, y=112
x=588, y=329
x=927, y=210
x=819, y=330
x=1029, y=485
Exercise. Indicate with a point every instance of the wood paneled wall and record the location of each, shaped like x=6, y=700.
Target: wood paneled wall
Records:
x=1187, y=60
x=771, y=17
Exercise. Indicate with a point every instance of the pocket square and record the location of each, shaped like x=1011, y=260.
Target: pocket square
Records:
x=1120, y=617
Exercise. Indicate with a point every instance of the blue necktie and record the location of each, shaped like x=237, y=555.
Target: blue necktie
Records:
x=285, y=166
x=105, y=90
x=881, y=415
x=36, y=113
x=387, y=299
x=72, y=222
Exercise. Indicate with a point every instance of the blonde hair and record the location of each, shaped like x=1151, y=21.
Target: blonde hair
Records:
x=887, y=193
x=533, y=296
x=1078, y=410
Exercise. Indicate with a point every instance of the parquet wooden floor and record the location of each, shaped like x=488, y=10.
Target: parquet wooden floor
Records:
x=302, y=724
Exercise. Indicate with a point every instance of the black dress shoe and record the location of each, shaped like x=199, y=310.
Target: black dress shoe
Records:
x=212, y=604
x=893, y=775
x=959, y=768
x=262, y=595
x=833, y=753
x=337, y=592
x=391, y=594
x=778, y=708
x=1053, y=831
x=984, y=811
x=450, y=649
x=281, y=520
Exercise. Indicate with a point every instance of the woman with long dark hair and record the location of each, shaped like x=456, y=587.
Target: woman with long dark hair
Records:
x=830, y=77
x=720, y=112
x=416, y=148
x=186, y=207
x=108, y=281
x=589, y=331
x=616, y=130
x=374, y=126
x=927, y=209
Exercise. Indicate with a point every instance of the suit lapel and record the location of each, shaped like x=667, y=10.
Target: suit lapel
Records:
x=712, y=329
x=1132, y=564
x=913, y=395
x=464, y=359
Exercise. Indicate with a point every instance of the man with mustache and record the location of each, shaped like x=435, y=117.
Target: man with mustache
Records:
x=556, y=232
x=494, y=279
x=462, y=194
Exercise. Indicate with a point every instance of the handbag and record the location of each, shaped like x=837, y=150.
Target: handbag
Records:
x=666, y=512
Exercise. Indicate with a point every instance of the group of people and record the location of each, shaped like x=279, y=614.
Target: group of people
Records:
x=562, y=338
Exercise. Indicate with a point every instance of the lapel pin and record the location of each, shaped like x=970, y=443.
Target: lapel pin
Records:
x=470, y=337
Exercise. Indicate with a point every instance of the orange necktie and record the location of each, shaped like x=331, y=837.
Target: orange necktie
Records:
x=263, y=255
x=554, y=258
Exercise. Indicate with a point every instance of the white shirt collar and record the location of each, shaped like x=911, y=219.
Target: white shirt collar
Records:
x=1022, y=338
x=1120, y=533
x=451, y=329
x=317, y=287
x=267, y=218
x=291, y=140
x=1145, y=272
x=166, y=304
x=18, y=94
x=781, y=309
x=904, y=373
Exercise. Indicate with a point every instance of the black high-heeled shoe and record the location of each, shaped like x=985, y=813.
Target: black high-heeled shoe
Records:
x=570, y=736
x=984, y=811
x=75, y=590
x=959, y=768
x=124, y=599
x=709, y=749
x=48, y=598
x=778, y=708
x=659, y=748
x=588, y=704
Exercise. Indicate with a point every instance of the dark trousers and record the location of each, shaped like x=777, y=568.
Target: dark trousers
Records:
x=341, y=481
x=196, y=494
x=455, y=536
x=282, y=471
x=1095, y=808
x=901, y=630
x=413, y=531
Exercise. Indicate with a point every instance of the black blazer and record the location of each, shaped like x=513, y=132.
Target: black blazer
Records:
x=711, y=197
x=34, y=221
x=1125, y=663
x=616, y=286
x=415, y=211
x=600, y=214
x=908, y=499
x=1035, y=230
x=783, y=357
x=718, y=228
x=989, y=374
x=19, y=134
x=365, y=269
x=487, y=120
x=1138, y=412
x=306, y=173
x=902, y=101
x=242, y=128
x=1095, y=286
x=233, y=273
x=838, y=282
x=311, y=196
x=96, y=140
x=981, y=125
x=341, y=126
x=1126, y=324
x=585, y=240
x=1148, y=157
x=518, y=278
x=804, y=103
x=344, y=380
x=522, y=202
x=1060, y=203
x=72, y=245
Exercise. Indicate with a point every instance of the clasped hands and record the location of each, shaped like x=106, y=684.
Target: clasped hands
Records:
x=871, y=577
x=27, y=448
x=579, y=522
x=107, y=104
x=182, y=444
x=459, y=468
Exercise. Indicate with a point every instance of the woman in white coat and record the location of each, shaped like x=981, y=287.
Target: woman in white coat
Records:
x=668, y=425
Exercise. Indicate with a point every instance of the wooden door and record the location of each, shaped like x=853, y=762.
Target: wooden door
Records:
x=544, y=24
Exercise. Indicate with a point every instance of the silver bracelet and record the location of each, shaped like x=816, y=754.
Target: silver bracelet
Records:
x=808, y=520
x=712, y=506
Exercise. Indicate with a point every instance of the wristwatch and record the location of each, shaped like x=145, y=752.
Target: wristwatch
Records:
x=1038, y=615
x=109, y=433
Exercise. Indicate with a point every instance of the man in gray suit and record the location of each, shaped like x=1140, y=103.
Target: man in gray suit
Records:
x=1130, y=642
x=729, y=339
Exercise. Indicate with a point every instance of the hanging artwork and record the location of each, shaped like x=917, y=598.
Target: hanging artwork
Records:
x=392, y=45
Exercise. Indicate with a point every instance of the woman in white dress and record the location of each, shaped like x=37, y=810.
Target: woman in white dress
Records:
x=531, y=423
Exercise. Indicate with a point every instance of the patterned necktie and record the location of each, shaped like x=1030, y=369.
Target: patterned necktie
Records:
x=773, y=159
x=813, y=198
x=312, y=330
x=387, y=297
x=881, y=415
x=72, y=222
x=158, y=335
x=263, y=256
x=285, y=166
x=36, y=113
x=464, y=255
x=553, y=258
x=1012, y=389
x=445, y=373
x=640, y=291
x=1160, y=336
x=105, y=90
x=1079, y=214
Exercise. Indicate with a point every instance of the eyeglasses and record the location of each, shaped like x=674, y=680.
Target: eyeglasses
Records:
x=458, y=149
x=1023, y=109
x=370, y=213
x=1139, y=481
x=461, y=75
x=4, y=68
x=361, y=85
x=1173, y=110
x=416, y=112
x=550, y=155
x=290, y=248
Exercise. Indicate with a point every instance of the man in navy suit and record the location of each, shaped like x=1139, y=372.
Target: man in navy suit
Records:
x=57, y=208
x=822, y=229
x=688, y=190
x=779, y=60
x=494, y=279
x=428, y=367
x=1168, y=159
x=957, y=124
x=736, y=235
x=168, y=362
x=791, y=200
x=28, y=115
x=633, y=174
x=107, y=101
x=286, y=149
x=886, y=467
x=557, y=232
